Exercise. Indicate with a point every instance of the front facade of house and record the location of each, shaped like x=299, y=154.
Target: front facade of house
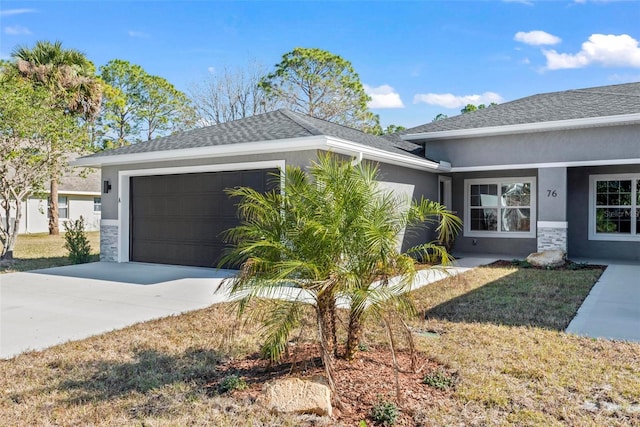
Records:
x=545, y=172
x=78, y=196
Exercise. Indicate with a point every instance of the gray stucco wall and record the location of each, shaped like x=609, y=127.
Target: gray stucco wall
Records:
x=415, y=183
x=578, y=217
x=425, y=185
x=611, y=142
x=512, y=247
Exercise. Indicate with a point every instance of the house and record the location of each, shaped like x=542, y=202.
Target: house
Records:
x=78, y=195
x=551, y=171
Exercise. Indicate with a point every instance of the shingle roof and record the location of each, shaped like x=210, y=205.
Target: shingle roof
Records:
x=275, y=125
x=570, y=104
x=88, y=180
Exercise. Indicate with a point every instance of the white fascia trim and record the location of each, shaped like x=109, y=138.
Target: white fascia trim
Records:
x=245, y=148
x=553, y=224
x=80, y=193
x=348, y=147
x=526, y=127
x=579, y=163
x=262, y=147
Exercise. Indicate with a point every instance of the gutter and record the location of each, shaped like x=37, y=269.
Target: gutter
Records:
x=525, y=128
x=320, y=142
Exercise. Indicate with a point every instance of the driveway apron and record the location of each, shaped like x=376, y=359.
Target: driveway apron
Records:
x=42, y=308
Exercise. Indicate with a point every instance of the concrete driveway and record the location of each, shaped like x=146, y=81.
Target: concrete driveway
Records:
x=42, y=308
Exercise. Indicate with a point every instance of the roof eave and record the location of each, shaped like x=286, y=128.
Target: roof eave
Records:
x=283, y=145
x=525, y=128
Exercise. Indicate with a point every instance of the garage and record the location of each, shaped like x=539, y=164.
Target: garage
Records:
x=180, y=219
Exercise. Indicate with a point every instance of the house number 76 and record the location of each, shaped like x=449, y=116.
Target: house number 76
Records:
x=552, y=193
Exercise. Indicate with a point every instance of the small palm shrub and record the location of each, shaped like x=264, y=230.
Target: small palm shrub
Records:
x=76, y=241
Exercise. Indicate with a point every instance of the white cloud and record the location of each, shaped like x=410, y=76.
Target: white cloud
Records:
x=17, y=30
x=211, y=70
x=601, y=49
x=449, y=100
x=138, y=34
x=383, y=97
x=536, y=38
x=11, y=12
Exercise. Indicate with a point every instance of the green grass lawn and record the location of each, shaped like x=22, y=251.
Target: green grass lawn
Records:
x=35, y=251
x=498, y=329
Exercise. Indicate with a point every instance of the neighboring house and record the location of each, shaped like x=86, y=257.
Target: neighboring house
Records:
x=78, y=195
x=550, y=171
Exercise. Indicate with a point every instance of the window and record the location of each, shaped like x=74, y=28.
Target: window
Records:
x=614, y=207
x=97, y=204
x=63, y=207
x=500, y=207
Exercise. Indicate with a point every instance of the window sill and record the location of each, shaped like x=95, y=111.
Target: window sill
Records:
x=614, y=237
x=500, y=235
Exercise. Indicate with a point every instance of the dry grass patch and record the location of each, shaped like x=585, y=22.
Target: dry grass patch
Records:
x=517, y=369
x=36, y=251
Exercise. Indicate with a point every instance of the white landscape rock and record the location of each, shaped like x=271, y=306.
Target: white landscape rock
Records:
x=297, y=396
x=546, y=259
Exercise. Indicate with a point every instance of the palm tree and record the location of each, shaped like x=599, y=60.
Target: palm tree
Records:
x=70, y=78
x=330, y=234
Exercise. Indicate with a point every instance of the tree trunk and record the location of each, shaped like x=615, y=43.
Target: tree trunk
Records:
x=354, y=335
x=326, y=313
x=54, y=228
x=11, y=231
x=326, y=355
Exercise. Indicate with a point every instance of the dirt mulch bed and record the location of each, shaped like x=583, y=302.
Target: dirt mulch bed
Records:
x=361, y=384
x=568, y=265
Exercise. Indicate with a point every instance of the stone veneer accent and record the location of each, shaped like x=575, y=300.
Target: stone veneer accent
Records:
x=109, y=243
x=552, y=238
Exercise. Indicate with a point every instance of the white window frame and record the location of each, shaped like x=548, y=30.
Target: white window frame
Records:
x=63, y=206
x=97, y=205
x=635, y=208
x=531, y=234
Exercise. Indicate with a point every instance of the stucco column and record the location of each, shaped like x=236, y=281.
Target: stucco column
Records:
x=552, y=209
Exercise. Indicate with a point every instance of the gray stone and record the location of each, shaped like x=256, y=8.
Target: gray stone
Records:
x=552, y=239
x=546, y=258
x=296, y=396
x=109, y=243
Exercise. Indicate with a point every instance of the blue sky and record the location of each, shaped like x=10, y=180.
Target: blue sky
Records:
x=417, y=59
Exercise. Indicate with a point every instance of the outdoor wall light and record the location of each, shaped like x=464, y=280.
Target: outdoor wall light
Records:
x=106, y=186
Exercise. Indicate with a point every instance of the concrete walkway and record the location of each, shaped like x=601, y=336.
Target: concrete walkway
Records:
x=42, y=308
x=612, y=308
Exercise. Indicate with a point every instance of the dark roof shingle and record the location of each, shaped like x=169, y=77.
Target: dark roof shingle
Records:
x=566, y=105
x=275, y=125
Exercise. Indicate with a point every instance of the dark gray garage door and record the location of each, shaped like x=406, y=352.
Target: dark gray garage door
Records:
x=179, y=219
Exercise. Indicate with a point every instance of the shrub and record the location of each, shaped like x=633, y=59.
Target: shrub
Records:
x=76, y=241
x=440, y=380
x=520, y=263
x=230, y=383
x=385, y=413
